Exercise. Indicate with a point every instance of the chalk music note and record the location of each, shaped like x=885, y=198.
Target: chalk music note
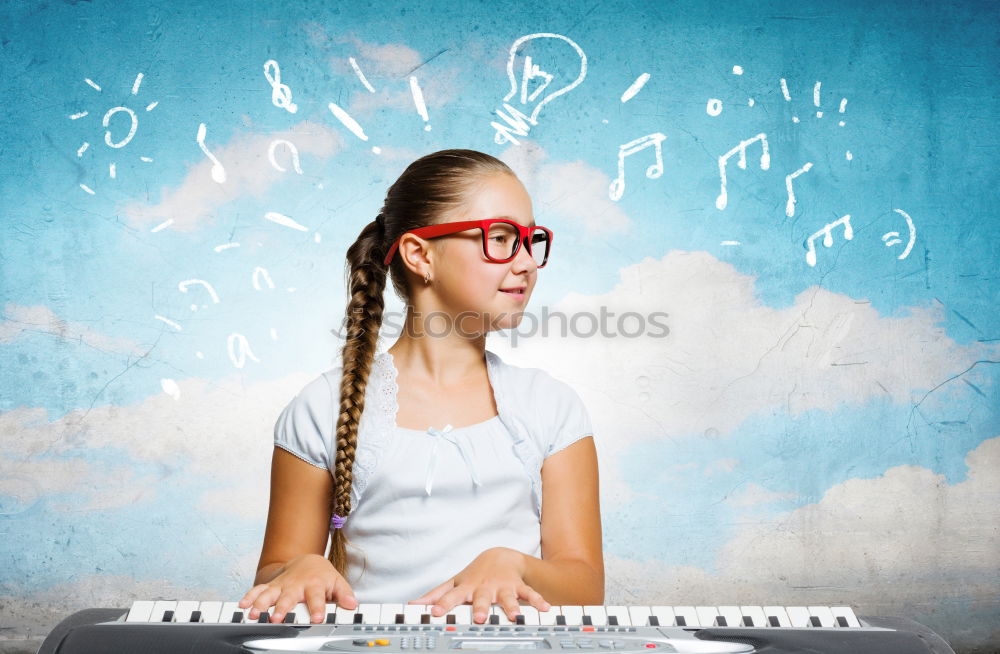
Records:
x=281, y=95
x=741, y=149
x=827, y=234
x=218, y=172
x=617, y=188
x=294, y=151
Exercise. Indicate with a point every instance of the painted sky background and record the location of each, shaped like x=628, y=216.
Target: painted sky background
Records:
x=824, y=434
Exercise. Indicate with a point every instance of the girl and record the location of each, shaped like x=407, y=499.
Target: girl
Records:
x=432, y=461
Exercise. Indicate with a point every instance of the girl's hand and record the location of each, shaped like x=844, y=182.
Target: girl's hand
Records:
x=494, y=577
x=310, y=578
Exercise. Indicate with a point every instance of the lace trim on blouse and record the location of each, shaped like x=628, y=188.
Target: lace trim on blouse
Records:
x=379, y=419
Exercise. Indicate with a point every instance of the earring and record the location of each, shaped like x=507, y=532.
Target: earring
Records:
x=427, y=277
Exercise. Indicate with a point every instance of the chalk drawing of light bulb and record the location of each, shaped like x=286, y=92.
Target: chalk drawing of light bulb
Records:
x=183, y=287
x=109, y=140
x=533, y=89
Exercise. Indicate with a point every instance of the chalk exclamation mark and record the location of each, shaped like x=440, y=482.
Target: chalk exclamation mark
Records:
x=843, y=105
x=819, y=114
x=418, y=100
x=351, y=124
x=788, y=98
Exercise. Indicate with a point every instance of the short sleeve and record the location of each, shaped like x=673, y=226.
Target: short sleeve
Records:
x=571, y=421
x=305, y=426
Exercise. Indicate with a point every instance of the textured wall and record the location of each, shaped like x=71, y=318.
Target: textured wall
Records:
x=815, y=420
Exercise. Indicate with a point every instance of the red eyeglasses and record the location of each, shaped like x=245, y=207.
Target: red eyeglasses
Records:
x=501, y=238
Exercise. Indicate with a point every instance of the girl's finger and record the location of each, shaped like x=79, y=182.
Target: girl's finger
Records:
x=432, y=595
x=450, y=600
x=316, y=603
x=251, y=595
x=507, y=599
x=290, y=596
x=482, y=598
x=534, y=598
x=264, y=601
x=343, y=595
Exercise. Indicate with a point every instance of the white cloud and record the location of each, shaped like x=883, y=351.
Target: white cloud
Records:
x=573, y=189
x=754, y=495
x=19, y=321
x=902, y=543
x=248, y=173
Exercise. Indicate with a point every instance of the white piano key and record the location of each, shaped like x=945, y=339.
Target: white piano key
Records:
x=530, y=614
x=389, y=612
x=706, y=615
x=301, y=612
x=210, y=611
x=639, y=615
x=598, y=616
x=140, y=611
x=847, y=613
x=620, y=612
x=548, y=618
x=345, y=616
x=688, y=613
x=371, y=613
x=412, y=613
x=756, y=615
x=779, y=613
x=573, y=614
x=184, y=609
x=732, y=615
x=498, y=611
x=462, y=613
x=228, y=608
x=665, y=615
x=437, y=619
x=798, y=616
x=823, y=613
x=159, y=608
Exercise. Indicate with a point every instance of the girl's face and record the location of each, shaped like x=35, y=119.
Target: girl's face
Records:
x=464, y=281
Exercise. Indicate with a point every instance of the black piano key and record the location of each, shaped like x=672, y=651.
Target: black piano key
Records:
x=450, y=619
x=400, y=618
x=518, y=619
x=773, y=621
x=331, y=617
x=814, y=621
x=359, y=618
x=681, y=622
x=494, y=619
x=425, y=618
x=841, y=621
x=652, y=620
x=265, y=617
x=195, y=616
x=720, y=621
x=613, y=620
x=561, y=620
x=587, y=620
x=289, y=618
x=747, y=621
x=237, y=617
x=168, y=616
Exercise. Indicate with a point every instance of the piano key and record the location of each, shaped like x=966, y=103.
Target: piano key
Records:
x=389, y=612
x=184, y=609
x=412, y=613
x=371, y=613
x=620, y=612
x=664, y=615
x=301, y=612
x=210, y=611
x=597, y=614
x=706, y=616
x=160, y=608
x=845, y=614
x=530, y=614
x=638, y=615
x=573, y=615
x=732, y=615
x=753, y=616
x=685, y=616
x=824, y=614
x=798, y=616
x=140, y=611
x=548, y=618
x=462, y=613
x=776, y=616
x=346, y=616
x=227, y=610
x=501, y=616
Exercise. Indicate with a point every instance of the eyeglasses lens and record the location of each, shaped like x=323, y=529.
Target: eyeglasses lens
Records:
x=501, y=243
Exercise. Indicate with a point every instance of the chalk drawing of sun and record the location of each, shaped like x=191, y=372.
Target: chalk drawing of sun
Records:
x=107, y=133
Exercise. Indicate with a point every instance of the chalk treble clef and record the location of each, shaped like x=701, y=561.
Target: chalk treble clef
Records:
x=281, y=95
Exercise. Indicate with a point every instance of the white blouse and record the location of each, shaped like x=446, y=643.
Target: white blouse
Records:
x=425, y=503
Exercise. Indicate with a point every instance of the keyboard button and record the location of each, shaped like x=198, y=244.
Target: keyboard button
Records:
x=140, y=611
x=823, y=616
x=776, y=616
x=752, y=616
x=798, y=616
x=845, y=614
x=388, y=613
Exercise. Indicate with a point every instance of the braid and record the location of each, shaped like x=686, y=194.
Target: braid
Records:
x=366, y=283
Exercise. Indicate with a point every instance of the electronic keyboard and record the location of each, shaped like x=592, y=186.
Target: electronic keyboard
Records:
x=209, y=627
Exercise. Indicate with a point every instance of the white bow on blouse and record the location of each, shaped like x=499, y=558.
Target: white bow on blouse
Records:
x=443, y=434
